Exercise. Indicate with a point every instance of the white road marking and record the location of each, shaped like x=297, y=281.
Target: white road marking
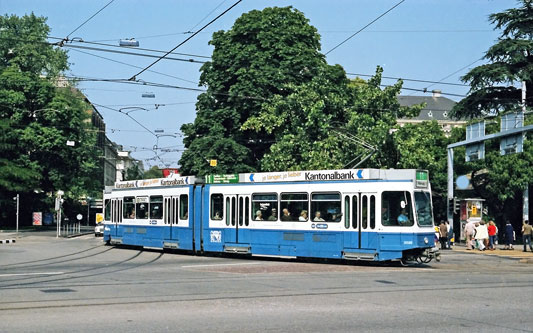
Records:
x=239, y=264
x=23, y=274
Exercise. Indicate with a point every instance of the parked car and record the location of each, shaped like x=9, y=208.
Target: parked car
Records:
x=99, y=230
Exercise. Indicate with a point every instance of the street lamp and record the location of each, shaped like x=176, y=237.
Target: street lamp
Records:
x=88, y=208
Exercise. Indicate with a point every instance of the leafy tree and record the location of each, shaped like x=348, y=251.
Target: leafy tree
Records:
x=311, y=125
x=423, y=146
x=154, y=172
x=265, y=53
x=493, y=85
x=38, y=119
x=133, y=172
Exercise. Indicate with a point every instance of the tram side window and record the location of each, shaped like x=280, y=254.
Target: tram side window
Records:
x=129, y=208
x=217, y=206
x=141, y=208
x=107, y=211
x=265, y=206
x=396, y=209
x=326, y=207
x=294, y=206
x=184, y=207
x=156, y=207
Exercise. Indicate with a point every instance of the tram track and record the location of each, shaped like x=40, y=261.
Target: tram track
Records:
x=194, y=297
x=41, y=280
x=51, y=258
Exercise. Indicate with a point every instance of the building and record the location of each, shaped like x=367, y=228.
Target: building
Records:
x=437, y=108
x=126, y=166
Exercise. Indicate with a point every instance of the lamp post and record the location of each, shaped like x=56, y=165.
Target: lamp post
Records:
x=17, y=198
x=88, y=208
x=59, y=201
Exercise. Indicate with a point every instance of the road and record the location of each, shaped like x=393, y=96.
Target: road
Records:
x=79, y=285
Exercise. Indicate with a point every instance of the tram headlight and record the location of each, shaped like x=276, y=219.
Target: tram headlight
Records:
x=426, y=240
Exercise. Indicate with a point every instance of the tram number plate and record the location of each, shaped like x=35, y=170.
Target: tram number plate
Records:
x=216, y=236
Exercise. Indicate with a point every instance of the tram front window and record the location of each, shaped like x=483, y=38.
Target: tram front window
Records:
x=423, y=208
x=396, y=209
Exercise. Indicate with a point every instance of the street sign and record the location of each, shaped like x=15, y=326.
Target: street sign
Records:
x=79, y=217
x=99, y=217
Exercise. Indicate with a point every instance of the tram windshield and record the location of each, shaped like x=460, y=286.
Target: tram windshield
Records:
x=423, y=208
x=396, y=208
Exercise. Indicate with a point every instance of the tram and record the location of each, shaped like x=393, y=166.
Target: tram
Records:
x=359, y=214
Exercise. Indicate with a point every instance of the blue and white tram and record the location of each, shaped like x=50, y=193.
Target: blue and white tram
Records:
x=366, y=214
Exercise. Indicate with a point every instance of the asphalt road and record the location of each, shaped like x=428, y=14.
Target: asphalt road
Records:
x=79, y=285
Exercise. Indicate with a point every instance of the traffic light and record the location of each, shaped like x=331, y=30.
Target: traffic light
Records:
x=451, y=206
x=456, y=205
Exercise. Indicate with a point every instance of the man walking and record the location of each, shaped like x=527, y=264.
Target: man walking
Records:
x=526, y=235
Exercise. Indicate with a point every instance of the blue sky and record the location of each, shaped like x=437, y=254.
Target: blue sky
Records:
x=419, y=39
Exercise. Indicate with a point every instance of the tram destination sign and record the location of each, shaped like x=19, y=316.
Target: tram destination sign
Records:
x=222, y=179
x=322, y=175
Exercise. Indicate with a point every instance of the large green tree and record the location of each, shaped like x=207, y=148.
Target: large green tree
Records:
x=496, y=86
x=38, y=118
x=266, y=53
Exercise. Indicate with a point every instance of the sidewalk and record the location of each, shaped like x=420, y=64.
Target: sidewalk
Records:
x=516, y=253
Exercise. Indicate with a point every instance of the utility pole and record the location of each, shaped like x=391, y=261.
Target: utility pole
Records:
x=525, y=202
x=18, y=199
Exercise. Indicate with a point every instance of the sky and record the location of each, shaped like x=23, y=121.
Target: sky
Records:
x=433, y=40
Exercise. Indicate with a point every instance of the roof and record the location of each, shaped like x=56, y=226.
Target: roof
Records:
x=437, y=108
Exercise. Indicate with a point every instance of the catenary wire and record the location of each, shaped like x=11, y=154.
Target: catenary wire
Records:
x=134, y=77
x=81, y=25
x=366, y=26
x=130, y=65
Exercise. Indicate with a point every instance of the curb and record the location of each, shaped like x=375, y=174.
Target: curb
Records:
x=7, y=241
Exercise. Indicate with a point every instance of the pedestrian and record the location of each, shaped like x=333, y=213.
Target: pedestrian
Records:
x=481, y=234
x=450, y=234
x=492, y=235
x=469, y=232
x=443, y=235
x=509, y=236
x=526, y=235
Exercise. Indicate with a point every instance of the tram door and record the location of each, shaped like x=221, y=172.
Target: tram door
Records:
x=237, y=212
x=116, y=215
x=170, y=217
x=360, y=218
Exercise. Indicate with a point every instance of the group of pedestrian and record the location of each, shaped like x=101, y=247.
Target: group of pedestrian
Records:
x=481, y=235
x=444, y=235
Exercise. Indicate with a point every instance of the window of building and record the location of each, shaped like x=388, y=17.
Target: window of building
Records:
x=294, y=207
x=396, y=208
x=156, y=207
x=141, y=208
x=184, y=207
x=265, y=206
x=217, y=206
x=129, y=208
x=326, y=207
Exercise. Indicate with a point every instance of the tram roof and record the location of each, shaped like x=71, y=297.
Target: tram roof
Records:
x=321, y=175
x=419, y=176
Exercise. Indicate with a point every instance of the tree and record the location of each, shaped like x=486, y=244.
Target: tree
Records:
x=311, y=126
x=493, y=85
x=423, y=146
x=38, y=118
x=266, y=53
x=154, y=172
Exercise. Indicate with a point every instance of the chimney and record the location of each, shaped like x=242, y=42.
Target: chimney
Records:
x=436, y=93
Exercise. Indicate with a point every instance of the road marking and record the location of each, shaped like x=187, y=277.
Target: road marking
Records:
x=23, y=274
x=211, y=265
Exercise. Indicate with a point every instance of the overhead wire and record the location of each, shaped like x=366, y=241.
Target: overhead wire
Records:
x=76, y=40
x=81, y=25
x=130, y=65
x=134, y=77
x=366, y=26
